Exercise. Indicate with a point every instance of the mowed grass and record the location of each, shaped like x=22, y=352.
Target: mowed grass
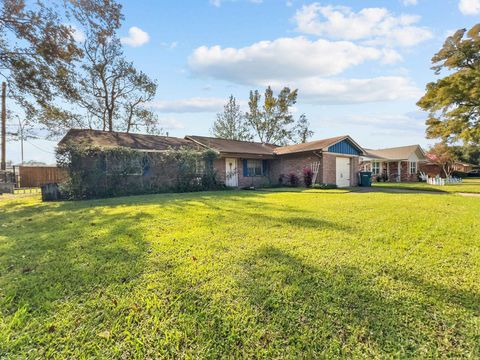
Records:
x=469, y=185
x=241, y=274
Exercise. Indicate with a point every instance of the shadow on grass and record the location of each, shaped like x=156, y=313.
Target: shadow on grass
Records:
x=66, y=252
x=340, y=311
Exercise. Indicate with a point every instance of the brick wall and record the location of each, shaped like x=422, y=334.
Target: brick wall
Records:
x=404, y=175
x=432, y=170
x=293, y=163
x=354, y=166
x=243, y=181
x=329, y=169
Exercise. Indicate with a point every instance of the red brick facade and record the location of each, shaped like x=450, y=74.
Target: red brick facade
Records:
x=291, y=163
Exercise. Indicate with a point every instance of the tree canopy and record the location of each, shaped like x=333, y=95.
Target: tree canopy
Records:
x=453, y=102
x=271, y=121
x=38, y=49
x=442, y=154
x=65, y=67
x=231, y=123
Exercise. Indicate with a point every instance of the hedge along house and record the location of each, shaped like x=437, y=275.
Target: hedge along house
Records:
x=398, y=164
x=242, y=163
x=239, y=163
x=142, y=170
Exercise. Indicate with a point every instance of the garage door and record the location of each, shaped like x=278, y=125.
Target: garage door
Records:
x=343, y=172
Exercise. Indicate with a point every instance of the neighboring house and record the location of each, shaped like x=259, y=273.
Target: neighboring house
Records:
x=463, y=167
x=433, y=169
x=244, y=163
x=400, y=164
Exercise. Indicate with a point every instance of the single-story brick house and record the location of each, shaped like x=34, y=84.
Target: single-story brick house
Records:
x=433, y=169
x=398, y=164
x=244, y=163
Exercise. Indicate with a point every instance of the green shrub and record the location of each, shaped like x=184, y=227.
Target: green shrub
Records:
x=95, y=173
x=293, y=179
x=325, y=186
x=307, y=177
x=459, y=174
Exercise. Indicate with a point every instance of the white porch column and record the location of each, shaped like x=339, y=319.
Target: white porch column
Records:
x=399, y=171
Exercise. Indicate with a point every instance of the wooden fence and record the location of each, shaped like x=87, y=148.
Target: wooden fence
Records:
x=36, y=176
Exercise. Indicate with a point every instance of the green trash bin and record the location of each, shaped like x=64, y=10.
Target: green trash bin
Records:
x=365, y=178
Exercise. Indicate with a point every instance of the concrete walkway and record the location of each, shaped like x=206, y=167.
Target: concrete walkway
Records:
x=468, y=194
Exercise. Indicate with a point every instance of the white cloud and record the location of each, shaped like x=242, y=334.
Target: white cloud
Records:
x=409, y=2
x=376, y=130
x=136, y=37
x=191, y=105
x=322, y=91
x=284, y=58
x=469, y=7
x=303, y=64
x=373, y=25
x=170, y=123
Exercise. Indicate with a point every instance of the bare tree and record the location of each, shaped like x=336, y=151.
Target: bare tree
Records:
x=112, y=92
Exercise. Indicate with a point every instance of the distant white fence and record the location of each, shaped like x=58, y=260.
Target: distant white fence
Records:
x=440, y=182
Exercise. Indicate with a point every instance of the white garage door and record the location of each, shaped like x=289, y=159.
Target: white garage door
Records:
x=343, y=172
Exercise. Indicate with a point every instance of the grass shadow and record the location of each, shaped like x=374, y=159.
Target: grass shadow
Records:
x=338, y=311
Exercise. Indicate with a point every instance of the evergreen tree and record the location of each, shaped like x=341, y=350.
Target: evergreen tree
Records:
x=230, y=123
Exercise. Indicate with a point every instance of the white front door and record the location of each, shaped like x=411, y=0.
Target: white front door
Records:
x=343, y=172
x=231, y=173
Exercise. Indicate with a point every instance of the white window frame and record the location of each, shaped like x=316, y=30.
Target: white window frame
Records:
x=251, y=166
x=412, y=167
x=375, y=167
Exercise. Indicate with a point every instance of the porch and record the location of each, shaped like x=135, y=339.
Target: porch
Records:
x=392, y=170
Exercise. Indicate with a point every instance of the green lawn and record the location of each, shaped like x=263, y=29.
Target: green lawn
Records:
x=471, y=185
x=241, y=274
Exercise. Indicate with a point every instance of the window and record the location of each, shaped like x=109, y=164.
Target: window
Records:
x=200, y=167
x=125, y=164
x=255, y=167
x=413, y=167
x=375, y=167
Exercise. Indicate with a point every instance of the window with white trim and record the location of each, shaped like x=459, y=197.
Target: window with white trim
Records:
x=255, y=167
x=375, y=167
x=413, y=167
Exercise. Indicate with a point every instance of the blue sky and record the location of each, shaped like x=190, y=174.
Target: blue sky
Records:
x=360, y=66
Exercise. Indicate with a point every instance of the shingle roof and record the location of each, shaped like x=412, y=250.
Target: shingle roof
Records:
x=323, y=144
x=396, y=153
x=120, y=139
x=234, y=146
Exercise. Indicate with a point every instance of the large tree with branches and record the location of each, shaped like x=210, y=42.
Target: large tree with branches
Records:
x=38, y=50
x=272, y=121
x=453, y=102
x=112, y=92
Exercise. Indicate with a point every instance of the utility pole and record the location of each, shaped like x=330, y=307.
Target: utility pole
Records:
x=21, y=133
x=3, y=165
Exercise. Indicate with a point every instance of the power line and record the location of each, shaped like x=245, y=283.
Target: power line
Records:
x=39, y=148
